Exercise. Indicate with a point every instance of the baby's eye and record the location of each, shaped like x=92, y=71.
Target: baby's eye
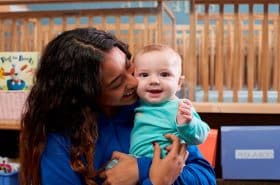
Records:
x=164, y=74
x=143, y=74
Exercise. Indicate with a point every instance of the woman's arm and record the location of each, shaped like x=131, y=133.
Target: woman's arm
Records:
x=54, y=166
x=197, y=170
x=154, y=171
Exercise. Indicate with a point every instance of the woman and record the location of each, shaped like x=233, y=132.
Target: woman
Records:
x=79, y=115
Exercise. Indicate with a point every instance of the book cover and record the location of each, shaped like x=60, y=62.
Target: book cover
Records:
x=17, y=70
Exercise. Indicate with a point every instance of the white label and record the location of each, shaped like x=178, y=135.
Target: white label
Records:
x=254, y=154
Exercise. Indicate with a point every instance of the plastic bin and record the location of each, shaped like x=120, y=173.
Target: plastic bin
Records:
x=250, y=152
x=9, y=178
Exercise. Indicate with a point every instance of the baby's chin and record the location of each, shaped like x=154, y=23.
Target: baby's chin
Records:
x=154, y=101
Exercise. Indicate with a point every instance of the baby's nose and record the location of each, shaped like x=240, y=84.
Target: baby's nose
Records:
x=154, y=80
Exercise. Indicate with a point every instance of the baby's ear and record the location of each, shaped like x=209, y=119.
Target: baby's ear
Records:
x=180, y=82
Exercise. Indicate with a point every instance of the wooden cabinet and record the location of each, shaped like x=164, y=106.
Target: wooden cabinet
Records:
x=216, y=120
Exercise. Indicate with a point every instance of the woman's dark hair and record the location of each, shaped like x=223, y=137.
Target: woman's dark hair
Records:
x=63, y=100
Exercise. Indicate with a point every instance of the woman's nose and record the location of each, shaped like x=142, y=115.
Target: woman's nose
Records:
x=132, y=81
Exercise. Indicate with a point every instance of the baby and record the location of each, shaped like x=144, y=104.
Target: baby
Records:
x=158, y=71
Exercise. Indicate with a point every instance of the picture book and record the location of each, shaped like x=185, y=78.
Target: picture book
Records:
x=17, y=70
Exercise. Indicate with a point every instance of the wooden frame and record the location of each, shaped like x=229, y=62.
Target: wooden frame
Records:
x=20, y=23
x=193, y=67
x=14, y=2
x=265, y=55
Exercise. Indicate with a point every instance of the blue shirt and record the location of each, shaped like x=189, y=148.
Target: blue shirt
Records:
x=114, y=135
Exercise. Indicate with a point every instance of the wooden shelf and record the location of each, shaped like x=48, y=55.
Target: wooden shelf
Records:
x=9, y=124
x=226, y=109
x=238, y=108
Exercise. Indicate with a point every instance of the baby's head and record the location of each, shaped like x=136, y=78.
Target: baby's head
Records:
x=158, y=71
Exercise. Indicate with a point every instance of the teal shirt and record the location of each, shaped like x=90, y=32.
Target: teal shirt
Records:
x=153, y=121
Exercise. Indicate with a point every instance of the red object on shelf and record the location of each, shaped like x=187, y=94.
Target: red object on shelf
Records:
x=209, y=147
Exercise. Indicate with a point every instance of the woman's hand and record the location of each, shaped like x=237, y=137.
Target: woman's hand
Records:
x=165, y=171
x=125, y=172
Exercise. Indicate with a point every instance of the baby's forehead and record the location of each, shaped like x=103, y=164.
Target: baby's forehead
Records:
x=171, y=56
x=161, y=57
x=166, y=52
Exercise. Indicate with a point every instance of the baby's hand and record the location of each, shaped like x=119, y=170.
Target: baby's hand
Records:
x=184, y=114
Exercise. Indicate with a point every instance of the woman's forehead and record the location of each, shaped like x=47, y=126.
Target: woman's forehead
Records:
x=115, y=54
x=113, y=65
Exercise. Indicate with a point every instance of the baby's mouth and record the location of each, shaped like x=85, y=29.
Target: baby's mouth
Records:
x=155, y=91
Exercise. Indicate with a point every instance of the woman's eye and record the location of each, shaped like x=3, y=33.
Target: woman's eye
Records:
x=117, y=83
x=164, y=74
